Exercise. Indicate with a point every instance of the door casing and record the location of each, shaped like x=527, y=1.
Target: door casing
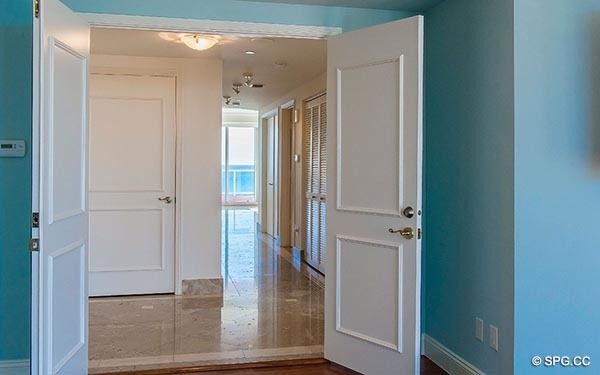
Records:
x=252, y=29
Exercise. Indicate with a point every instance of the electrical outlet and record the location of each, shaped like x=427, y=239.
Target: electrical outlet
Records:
x=494, y=337
x=479, y=329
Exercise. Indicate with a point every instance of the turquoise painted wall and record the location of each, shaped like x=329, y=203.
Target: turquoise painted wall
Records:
x=469, y=208
x=15, y=120
x=245, y=11
x=15, y=178
x=557, y=182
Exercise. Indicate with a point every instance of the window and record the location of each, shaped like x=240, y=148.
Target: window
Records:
x=238, y=178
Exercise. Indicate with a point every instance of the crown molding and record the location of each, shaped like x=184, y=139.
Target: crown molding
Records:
x=250, y=29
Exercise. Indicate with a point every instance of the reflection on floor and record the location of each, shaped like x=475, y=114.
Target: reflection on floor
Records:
x=272, y=307
x=427, y=368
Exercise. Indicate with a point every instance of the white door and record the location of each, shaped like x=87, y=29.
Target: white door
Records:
x=132, y=184
x=372, y=291
x=63, y=200
x=271, y=176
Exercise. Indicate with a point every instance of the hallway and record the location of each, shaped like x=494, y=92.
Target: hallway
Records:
x=271, y=308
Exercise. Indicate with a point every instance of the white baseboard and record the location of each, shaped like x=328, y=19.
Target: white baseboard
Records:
x=445, y=358
x=14, y=367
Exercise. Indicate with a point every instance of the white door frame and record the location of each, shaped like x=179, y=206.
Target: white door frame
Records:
x=163, y=24
x=169, y=73
x=262, y=162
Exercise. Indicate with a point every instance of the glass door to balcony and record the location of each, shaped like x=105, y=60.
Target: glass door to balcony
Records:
x=238, y=179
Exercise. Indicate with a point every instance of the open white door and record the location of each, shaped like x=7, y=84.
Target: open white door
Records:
x=63, y=64
x=372, y=292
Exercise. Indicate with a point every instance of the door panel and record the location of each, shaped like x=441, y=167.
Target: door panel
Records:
x=118, y=230
x=132, y=165
x=372, y=290
x=121, y=169
x=362, y=86
x=64, y=52
x=358, y=295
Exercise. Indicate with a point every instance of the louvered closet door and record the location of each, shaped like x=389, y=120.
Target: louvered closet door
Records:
x=322, y=184
x=315, y=181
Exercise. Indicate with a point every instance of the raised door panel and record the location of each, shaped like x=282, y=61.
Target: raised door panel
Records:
x=120, y=125
x=370, y=141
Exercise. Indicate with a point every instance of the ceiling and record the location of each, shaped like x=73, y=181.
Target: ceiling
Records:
x=407, y=5
x=304, y=59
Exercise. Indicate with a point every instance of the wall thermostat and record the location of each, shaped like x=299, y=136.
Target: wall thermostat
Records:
x=10, y=148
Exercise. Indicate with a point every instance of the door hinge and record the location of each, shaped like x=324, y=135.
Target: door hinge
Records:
x=419, y=234
x=34, y=244
x=36, y=8
x=35, y=220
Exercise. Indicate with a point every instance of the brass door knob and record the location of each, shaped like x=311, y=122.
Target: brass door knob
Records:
x=407, y=232
x=167, y=199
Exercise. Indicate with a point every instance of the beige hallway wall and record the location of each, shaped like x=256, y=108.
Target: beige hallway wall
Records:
x=299, y=95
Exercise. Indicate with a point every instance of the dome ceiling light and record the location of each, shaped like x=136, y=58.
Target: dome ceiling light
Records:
x=198, y=42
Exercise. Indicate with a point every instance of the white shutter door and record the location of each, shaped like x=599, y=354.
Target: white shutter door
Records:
x=315, y=179
x=322, y=185
x=306, y=168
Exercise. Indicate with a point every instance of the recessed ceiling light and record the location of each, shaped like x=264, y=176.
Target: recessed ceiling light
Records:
x=280, y=65
x=262, y=40
x=250, y=52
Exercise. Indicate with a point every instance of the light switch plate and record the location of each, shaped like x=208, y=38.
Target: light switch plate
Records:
x=479, y=329
x=494, y=337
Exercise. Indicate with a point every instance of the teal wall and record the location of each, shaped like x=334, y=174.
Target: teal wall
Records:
x=469, y=214
x=245, y=11
x=557, y=181
x=15, y=178
x=15, y=120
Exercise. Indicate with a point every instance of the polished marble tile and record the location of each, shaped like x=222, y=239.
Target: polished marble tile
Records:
x=271, y=307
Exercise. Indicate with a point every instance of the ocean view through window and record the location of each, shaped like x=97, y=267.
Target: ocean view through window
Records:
x=238, y=167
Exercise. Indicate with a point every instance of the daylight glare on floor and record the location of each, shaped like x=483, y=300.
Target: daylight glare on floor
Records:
x=271, y=308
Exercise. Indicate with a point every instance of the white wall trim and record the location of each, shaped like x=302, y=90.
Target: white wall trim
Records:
x=445, y=358
x=209, y=26
x=271, y=113
x=15, y=367
x=289, y=104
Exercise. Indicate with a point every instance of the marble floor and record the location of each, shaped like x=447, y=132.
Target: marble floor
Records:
x=271, y=308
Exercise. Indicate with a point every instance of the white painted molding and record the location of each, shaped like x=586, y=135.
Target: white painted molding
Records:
x=209, y=26
x=445, y=358
x=14, y=367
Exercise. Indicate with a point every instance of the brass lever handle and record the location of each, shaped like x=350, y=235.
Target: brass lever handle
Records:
x=167, y=199
x=407, y=232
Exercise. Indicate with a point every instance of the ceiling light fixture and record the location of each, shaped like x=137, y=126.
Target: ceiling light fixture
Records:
x=250, y=52
x=199, y=42
x=280, y=65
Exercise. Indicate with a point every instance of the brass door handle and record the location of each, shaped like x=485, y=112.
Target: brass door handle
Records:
x=407, y=232
x=167, y=199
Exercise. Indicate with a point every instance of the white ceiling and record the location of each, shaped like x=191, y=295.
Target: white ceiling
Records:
x=408, y=5
x=305, y=59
